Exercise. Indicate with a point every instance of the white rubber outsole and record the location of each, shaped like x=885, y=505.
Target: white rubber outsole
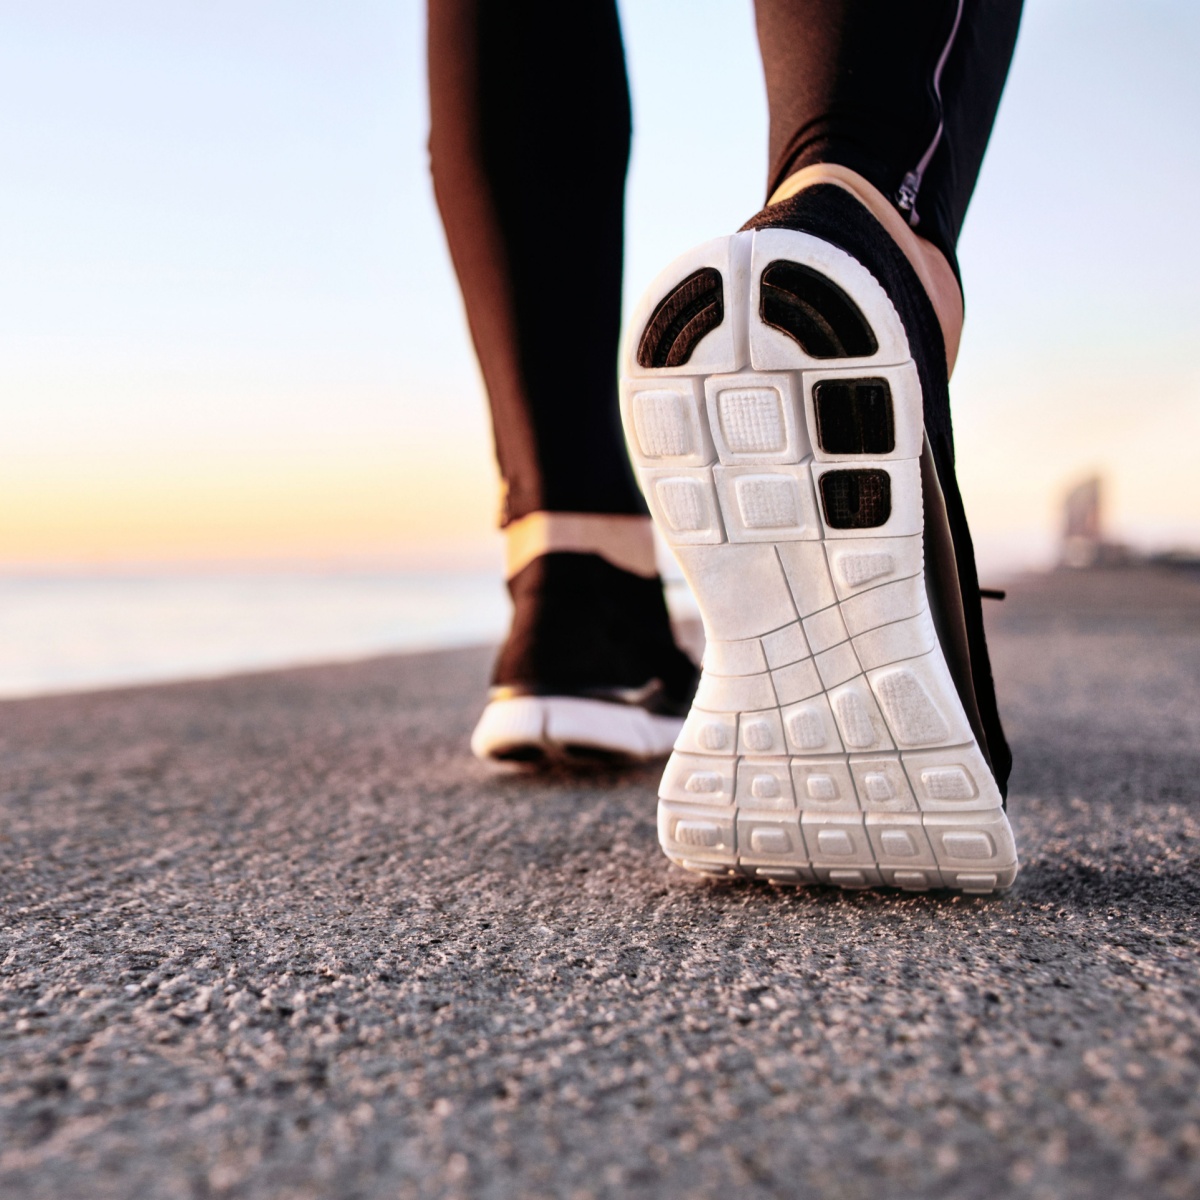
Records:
x=827, y=743
x=568, y=729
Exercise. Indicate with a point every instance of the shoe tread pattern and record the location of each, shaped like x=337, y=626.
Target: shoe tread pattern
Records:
x=827, y=743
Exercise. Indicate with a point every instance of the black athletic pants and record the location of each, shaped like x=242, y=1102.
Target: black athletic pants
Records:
x=529, y=145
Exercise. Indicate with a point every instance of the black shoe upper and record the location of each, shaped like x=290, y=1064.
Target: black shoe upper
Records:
x=583, y=627
x=834, y=215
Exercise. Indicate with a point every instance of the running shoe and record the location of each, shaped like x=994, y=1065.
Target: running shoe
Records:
x=590, y=671
x=784, y=395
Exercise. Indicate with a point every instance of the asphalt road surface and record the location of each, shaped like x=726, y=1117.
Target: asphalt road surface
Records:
x=280, y=936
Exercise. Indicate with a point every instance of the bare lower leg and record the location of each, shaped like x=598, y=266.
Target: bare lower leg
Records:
x=927, y=260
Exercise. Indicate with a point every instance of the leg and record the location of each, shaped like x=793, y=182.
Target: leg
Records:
x=902, y=94
x=529, y=143
x=845, y=728
x=896, y=105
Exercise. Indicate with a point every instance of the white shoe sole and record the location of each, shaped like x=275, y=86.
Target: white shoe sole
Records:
x=827, y=742
x=567, y=729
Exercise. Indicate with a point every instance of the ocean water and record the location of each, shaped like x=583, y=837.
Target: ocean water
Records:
x=74, y=632
x=66, y=633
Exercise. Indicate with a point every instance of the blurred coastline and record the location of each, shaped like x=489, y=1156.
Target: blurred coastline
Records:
x=79, y=628
x=76, y=630
x=71, y=629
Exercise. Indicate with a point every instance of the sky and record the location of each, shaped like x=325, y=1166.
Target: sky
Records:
x=229, y=328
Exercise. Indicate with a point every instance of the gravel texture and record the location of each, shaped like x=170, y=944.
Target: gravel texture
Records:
x=280, y=936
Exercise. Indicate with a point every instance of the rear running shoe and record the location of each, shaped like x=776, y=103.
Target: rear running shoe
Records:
x=590, y=671
x=785, y=403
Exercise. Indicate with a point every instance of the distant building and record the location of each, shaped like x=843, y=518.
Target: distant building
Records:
x=1084, y=544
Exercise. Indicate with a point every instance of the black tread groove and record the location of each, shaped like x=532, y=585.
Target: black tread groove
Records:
x=813, y=311
x=854, y=416
x=695, y=307
x=858, y=499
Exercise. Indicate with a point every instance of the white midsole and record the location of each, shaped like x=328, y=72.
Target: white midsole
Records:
x=557, y=724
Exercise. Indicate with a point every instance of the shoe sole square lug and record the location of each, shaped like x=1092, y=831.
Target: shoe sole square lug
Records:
x=827, y=743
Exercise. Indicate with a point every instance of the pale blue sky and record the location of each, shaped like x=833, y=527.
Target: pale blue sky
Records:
x=227, y=319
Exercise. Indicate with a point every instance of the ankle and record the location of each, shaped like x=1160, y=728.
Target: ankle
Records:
x=930, y=264
x=626, y=542
x=579, y=622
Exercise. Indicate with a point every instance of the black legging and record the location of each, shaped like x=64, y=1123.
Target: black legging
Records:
x=529, y=145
